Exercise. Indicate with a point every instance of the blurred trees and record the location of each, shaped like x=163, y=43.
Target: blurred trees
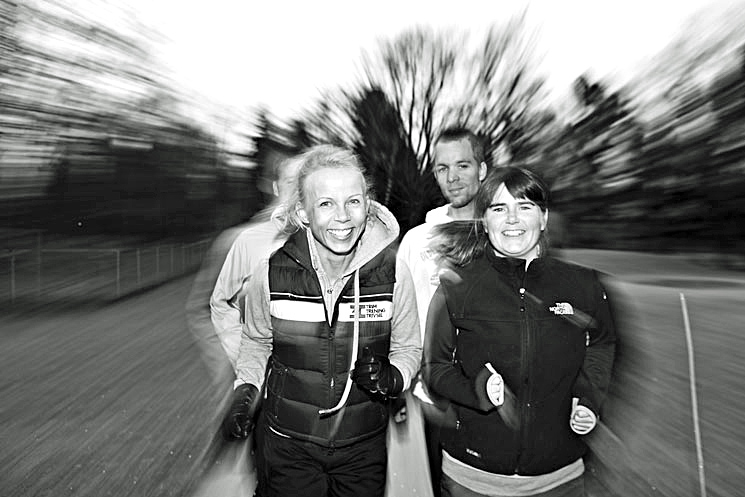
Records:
x=620, y=179
x=657, y=164
x=690, y=100
x=503, y=96
x=413, y=71
x=91, y=127
x=655, y=173
x=437, y=79
x=93, y=133
x=592, y=164
x=423, y=80
x=272, y=144
x=694, y=166
x=724, y=191
x=384, y=149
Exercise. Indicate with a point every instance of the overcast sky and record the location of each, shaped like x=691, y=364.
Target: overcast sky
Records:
x=282, y=52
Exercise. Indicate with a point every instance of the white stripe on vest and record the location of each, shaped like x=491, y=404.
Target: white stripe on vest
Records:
x=297, y=310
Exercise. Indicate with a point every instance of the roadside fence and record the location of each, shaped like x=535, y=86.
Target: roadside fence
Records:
x=32, y=269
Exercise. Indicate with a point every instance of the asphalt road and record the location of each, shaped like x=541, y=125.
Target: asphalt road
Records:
x=650, y=446
x=104, y=401
x=115, y=399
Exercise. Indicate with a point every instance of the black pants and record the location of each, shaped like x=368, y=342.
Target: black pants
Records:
x=434, y=454
x=294, y=467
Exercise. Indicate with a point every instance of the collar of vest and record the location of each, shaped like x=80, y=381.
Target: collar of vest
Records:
x=297, y=248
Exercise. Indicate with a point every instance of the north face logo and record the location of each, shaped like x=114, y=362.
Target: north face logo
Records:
x=562, y=308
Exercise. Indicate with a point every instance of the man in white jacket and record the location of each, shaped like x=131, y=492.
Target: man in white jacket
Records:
x=215, y=316
x=459, y=168
x=215, y=305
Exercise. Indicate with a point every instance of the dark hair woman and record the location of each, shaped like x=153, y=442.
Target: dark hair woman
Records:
x=521, y=344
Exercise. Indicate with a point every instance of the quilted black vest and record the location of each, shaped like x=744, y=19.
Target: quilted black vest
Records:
x=311, y=358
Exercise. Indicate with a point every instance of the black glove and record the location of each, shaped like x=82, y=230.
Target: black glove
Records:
x=238, y=422
x=375, y=374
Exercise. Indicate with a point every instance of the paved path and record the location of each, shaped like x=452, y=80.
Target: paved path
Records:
x=104, y=401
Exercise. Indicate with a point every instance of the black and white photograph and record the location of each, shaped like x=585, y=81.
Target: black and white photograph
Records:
x=388, y=249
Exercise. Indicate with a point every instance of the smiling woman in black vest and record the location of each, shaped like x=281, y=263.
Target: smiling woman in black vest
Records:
x=338, y=318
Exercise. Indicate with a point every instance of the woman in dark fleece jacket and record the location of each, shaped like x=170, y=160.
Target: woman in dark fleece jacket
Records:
x=520, y=344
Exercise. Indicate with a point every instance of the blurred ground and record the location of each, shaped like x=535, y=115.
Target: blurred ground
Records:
x=647, y=446
x=113, y=399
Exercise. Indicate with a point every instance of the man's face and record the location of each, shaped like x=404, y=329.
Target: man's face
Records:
x=457, y=172
x=335, y=209
x=285, y=182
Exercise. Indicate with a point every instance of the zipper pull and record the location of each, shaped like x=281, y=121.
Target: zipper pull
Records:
x=522, y=299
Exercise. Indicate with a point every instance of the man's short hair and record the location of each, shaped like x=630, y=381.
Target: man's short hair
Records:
x=456, y=133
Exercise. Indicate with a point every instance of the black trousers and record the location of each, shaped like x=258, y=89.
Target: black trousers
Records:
x=434, y=454
x=293, y=467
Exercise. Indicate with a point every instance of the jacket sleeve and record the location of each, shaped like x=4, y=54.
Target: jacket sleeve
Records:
x=406, y=346
x=257, y=334
x=224, y=302
x=440, y=372
x=591, y=386
x=198, y=311
x=411, y=252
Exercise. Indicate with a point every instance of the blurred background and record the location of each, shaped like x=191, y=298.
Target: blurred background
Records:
x=132, y=133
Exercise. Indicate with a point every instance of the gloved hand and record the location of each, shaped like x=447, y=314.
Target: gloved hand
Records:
x=238, y=421
x=493, y=392
x=582, y=420
x=375, y=374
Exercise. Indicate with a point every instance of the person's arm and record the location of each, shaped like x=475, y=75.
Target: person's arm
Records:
x=593, y=380
x=441, y=374
x=253, y=355
x=406, y=348
x=257, y=335
x=412, y=254
x=198, y=315
x=224, y=308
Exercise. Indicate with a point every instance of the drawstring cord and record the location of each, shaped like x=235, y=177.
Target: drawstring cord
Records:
x=355, y=346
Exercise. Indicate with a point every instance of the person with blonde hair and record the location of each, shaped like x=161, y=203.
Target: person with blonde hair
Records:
x=331, y=334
